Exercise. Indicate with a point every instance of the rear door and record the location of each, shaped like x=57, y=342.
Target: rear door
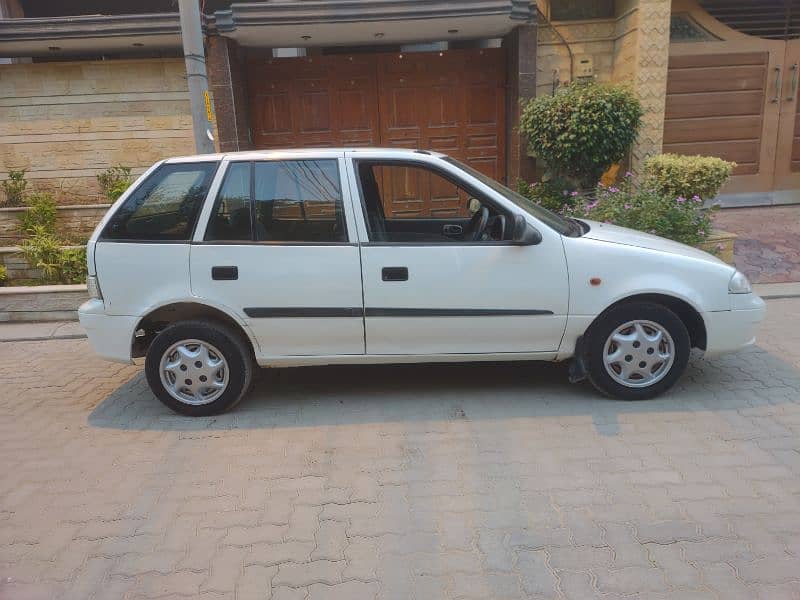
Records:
x=280, y=250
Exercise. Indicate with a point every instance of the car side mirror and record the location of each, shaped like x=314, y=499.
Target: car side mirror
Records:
x=524, y=233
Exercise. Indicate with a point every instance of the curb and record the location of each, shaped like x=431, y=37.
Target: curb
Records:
x=777, y=291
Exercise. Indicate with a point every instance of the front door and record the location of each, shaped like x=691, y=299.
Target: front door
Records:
x=280, y=251
x=440, y=273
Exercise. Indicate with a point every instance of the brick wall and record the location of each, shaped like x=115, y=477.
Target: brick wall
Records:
x=66, y=122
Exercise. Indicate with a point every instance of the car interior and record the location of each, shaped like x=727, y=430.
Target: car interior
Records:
x=474, y=220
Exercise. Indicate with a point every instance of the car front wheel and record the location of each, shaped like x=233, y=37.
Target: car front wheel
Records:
x=637, y=351
x=198, y=368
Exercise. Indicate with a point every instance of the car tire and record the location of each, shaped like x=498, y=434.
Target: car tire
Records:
x=636, y=351
x=199, y=368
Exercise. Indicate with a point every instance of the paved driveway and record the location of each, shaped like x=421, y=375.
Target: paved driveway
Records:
x=403, y=482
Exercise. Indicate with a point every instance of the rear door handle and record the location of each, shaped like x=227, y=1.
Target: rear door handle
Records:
x=451, y=229
x=225, y=273
x=394, y=273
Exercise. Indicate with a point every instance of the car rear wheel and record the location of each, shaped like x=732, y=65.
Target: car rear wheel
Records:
x=637, y=351
x=199, y=368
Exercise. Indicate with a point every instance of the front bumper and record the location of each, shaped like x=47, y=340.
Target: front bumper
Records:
x=110, y=336
x=732, y=330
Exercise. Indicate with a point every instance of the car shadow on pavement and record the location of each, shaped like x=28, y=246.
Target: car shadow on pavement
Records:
x=351, y=395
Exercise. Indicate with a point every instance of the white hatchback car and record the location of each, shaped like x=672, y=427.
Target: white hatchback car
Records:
x=209, y=265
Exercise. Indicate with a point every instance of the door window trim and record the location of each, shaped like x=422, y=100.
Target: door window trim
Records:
x=464, y=185
x=216, y=189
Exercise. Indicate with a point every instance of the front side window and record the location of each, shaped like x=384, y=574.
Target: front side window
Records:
x=554, y=221
x=411, y=203
x=165, y=206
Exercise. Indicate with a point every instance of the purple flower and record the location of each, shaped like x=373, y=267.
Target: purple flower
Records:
x=680, y=200
x=614, y=190
x=573, y=194
x=627, y=207
x=696, y=198
x=628, y=174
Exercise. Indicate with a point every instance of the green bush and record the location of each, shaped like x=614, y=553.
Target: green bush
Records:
x=3, y=274
x=43, y=250
x=73, y=265
x=14, y=187
x=115, y=181
x=582, y=130
x=676, y=218
x=42, y=212
x=687, y=176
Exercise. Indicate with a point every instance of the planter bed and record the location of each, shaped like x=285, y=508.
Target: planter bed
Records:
x=18, y=268
x=42, y=303
x=76, y=221
x=720, y=243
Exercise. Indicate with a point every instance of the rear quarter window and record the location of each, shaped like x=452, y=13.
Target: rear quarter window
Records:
x=165, y=206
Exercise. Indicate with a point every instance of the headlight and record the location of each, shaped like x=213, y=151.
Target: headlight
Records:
x=739, y=284
x=93, y=287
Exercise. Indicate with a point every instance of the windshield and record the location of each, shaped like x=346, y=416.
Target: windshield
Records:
x=551, y=219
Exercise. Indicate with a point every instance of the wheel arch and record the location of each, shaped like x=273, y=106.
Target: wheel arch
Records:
x=686, y=312
x=159, y=317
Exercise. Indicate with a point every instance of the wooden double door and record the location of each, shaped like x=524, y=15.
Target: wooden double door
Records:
x=451, y=101
x=736, y=97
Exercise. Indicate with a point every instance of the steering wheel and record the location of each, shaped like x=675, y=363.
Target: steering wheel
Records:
x=478, y=222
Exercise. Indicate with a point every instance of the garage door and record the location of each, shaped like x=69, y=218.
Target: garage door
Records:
x=452, y=101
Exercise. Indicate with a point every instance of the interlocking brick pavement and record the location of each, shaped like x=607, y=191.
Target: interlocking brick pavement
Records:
x=424, y=482
x=768, y=247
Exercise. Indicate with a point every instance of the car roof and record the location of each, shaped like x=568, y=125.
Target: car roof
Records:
x=299, y=153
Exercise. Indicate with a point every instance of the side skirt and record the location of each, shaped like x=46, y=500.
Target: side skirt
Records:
x=384, y=359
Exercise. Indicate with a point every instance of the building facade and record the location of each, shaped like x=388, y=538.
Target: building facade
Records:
x=82, y=90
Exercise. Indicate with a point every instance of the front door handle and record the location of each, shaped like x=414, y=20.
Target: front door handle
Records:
x=394, y=273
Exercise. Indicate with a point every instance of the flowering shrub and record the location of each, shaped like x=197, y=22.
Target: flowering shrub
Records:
x=681, y=219
x=551, y=196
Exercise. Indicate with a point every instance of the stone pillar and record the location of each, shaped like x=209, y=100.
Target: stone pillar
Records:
x=650, y=78
x=520, y=45
x=228, y=86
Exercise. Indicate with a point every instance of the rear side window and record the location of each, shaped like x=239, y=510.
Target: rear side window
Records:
x=286, y=201
x=165, y=206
